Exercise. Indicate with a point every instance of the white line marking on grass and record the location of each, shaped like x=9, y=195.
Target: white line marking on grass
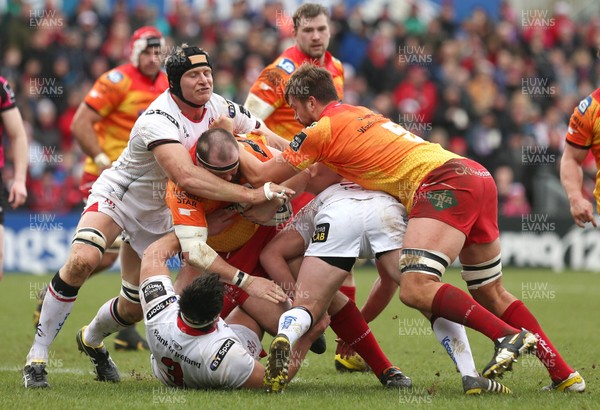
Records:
x=50, y=369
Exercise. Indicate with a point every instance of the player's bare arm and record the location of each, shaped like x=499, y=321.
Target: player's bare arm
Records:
x=571, y=177
x=273, y=140
x=16, y=133
x=286, y=246
x=201, y=256
x=383, y=290
x=82, y=128
x=177, y=164
x=264, y=212
x=275, y=169
x=321, y=177
x=205, y=258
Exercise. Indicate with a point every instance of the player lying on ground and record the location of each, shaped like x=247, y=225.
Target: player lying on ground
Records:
x=192, y=347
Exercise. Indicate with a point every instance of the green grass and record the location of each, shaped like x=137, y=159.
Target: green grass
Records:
x=566, y=304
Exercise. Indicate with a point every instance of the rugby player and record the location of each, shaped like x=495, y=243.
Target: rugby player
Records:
x=193, y=347
x=348, y=221
x=102, y=124
x=129, y=197
x=12, y=122
x=452, y=207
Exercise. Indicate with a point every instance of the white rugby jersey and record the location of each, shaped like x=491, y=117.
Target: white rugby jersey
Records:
x=186, y=357
x=137, y=174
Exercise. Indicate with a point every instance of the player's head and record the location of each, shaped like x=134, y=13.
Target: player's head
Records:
x=311, y=29
x=201, y=301
x=218, y=151
x=146, y=44
x=309, y=85
x=190, y=75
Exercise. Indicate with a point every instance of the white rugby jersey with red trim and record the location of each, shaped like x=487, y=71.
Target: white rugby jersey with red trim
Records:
x=186, y=357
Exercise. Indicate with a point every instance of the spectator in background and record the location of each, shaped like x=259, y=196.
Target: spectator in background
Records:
x=416, y=97
x=453, y=112
x=46, y=128
x=512, y=201
x=380, y=52
x=414, y=24
x=74, y=98
x=11, y=121
x=482, y=88
x=46, y=194
x=563, y=53
x=484, y=140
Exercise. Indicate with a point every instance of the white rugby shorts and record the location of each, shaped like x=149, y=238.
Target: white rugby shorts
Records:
x=142, y=226
x=354, y=227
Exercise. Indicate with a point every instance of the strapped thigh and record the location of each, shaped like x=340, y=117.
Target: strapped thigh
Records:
x=423, y=261
x=482, y=273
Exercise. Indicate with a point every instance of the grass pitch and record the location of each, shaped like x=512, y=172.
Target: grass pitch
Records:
x=566, y=304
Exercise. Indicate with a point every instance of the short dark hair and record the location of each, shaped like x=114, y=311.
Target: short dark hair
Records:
x=311, y=80
x=215, y=143
x=202, y=300
x=306, y=11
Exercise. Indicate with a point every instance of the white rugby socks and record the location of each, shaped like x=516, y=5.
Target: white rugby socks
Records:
x=294, y=323
x=56, y=307
x=106, y=322
x=453, y=338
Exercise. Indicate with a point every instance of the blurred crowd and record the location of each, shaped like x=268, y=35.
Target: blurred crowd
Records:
x=500, y=91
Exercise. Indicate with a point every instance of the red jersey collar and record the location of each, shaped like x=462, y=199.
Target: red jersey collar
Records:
x=190, y=330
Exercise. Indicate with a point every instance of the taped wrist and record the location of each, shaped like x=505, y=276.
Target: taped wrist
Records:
x=240, y=279
x=201, y=255
x=270, y=194
x=102, y=160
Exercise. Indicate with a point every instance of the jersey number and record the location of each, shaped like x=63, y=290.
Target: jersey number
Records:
x=174, y=370
x=401, y=132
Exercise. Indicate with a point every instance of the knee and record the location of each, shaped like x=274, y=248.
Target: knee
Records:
x=408, y=290
x=108, y=260
x=130, y=312
x=494, y=297
x=79, y=266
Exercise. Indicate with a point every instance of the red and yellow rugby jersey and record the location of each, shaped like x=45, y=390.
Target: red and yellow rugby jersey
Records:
x=120, y=96
x=367, y=149
x=584, y=131
x=270, y=88
x=190, y=210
